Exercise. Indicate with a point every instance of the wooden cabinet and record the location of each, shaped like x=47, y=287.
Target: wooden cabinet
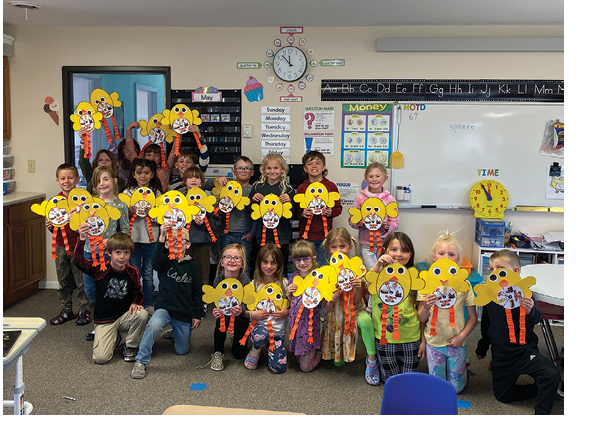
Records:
x=24, y=250
x=6, y=101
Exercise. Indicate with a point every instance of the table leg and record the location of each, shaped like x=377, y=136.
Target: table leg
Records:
x=544, y=326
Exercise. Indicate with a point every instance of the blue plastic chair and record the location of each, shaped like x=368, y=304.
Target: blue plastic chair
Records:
x=418, y=393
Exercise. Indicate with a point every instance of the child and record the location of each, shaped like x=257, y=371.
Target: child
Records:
x=375, y=176
x=335, y=343
x=118, y=306
x=101, y=158
x=315, y=171
x=240, y=221
x=200, y=238
x=273, y=180
x=231, y=265
x=70, y=278
x=187, y=159
x=446, y=352
x=401, y=355
x=304, y=256
x=104, y=182
x=510, y=360
x=143, y=174
x=179, y=304
x=268, y=270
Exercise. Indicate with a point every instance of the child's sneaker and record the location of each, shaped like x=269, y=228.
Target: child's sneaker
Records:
x=217, y=361
x=138, y=371
x=64, y=316
x=129, y=353
x=83, y=317
x=372, y=374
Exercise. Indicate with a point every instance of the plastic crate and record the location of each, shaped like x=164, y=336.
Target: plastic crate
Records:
x=8, y=187
x=490, y=227
x=490, y=240
x=8, y=174
x=8, y=160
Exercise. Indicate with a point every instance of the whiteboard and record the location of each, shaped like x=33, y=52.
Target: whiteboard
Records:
x=448, y=147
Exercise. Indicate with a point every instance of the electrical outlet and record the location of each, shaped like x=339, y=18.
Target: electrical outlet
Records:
x=31, y=165
x=247, y=131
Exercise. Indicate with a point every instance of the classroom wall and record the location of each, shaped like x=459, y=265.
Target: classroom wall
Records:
x=208, y=57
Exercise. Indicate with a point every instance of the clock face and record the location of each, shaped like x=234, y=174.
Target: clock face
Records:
x=489, y=199
x=290, y=63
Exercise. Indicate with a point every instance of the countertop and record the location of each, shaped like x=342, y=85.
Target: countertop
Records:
x=21, y=197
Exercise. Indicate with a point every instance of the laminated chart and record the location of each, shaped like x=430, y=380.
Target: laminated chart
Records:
x=366, y=134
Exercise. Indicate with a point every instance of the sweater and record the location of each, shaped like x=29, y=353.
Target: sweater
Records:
x=115, y=290
x=316, y=231
x=364, y=234
x=180, y=292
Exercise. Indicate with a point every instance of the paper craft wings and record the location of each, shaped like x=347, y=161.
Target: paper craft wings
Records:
x=180, y=117
x=157, y=133
x=313, y=288
x=444, y=279
x=507, y=288
x=269, y=298
x=86, y=118
x=205, y=203
x=58, y=217
x=230, y=197
x=143, y=199
x=105, y=103
x=97, y=215
x=173, y=207
x=392, y=285
x=373, y=212
x=270, y=210
x=228, y=293
x=343, y=269
x=316, y=198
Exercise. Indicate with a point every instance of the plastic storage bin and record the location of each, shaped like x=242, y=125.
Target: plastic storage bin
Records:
x=490, y=227
x=8, y=174
x=8, y=161
x=490, y=241
x=8, y=187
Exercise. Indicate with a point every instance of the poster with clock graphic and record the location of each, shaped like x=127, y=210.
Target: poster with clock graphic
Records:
x=366, y=134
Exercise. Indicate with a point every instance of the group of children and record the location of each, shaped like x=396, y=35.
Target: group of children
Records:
x=328, y=330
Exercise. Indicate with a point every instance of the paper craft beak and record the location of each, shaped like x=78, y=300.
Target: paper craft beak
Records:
x=92, y=212
x=394, y=279
x=228, y=292
x=503, y=283
x=443, y=281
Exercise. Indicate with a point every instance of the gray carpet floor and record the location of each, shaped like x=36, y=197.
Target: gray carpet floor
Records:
x=58, y=364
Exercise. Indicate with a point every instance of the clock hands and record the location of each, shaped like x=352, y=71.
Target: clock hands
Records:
x=288, y=61
x=488, y=193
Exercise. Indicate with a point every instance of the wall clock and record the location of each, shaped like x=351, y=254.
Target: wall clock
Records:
x=290, y=63
x=489, y=199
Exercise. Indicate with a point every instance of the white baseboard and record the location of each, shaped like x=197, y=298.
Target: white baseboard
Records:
x=48, y=285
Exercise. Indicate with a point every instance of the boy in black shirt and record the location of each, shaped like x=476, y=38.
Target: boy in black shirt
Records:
x=119, y=297
x=510, y=360
x=178, y=304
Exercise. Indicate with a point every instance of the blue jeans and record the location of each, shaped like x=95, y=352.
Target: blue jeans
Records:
x=160, y=319
x=141, y=260
x=235, y=237
x=321, y=260
x=89, y=283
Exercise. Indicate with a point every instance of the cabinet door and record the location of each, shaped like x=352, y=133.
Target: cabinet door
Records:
x=5, y=278
x=18, y=245
x=36, y=236
x=6, y=101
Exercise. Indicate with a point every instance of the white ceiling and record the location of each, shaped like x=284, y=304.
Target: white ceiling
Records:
x=274, y=13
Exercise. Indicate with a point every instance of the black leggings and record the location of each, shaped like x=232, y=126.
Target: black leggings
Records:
x=239, y=328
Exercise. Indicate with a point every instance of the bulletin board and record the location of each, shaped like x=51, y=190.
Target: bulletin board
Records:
x=448, y=147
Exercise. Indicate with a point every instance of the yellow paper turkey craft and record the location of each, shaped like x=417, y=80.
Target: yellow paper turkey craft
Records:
x=270, y=210
x=143, y=199
x=173, y=207
x=59, y=218
x=391, y=286
x=230, y=197
x=180, y=117
x=205, y=204
x=445, y=279
x=96, y=214
x=105, y=103
x=269, y=298
x=87, y=119
x=373, y=212
x=317, y=285
x=316, y=198
x=75, y=200
x=227, y=294
x=157, y=133
x=345, y=269
x=506, y=288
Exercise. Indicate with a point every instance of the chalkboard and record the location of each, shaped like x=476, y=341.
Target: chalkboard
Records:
x=447, y=148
